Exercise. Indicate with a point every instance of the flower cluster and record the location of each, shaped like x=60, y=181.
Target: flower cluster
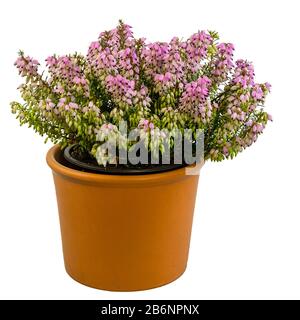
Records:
x=196, y=49
x=124, y=92
x=27, y=66
x=68, y=71
x=223, y=63
x=181, y=84
x=244, y=73
x=195, y=99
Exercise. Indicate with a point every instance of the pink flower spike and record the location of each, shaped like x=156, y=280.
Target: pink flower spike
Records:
x=268, y=86
x=77, y=80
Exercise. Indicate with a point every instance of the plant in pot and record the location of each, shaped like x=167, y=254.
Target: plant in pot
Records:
x=129, y=120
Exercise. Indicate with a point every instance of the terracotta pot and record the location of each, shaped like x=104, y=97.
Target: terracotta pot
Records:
x=124, y=233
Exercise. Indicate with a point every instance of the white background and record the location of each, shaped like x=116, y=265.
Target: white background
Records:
x=246, y=232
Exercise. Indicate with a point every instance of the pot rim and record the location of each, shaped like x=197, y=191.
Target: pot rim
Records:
x=117, y=180
x=94, y=168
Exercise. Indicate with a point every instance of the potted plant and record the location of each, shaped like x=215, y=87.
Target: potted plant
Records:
x=129, y=120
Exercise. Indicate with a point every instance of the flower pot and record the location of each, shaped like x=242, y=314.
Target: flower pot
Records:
x=123, y=233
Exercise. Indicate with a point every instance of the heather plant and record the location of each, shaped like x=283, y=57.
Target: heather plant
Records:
x=155, y=88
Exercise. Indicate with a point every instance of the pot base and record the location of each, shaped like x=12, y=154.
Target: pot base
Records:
x=104, y=288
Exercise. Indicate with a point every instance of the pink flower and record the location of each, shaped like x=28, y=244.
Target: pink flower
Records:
x=77, y=80
x=257, y=92
x=73, y=105
x=27, y=66
x=268, y=86
x=244, y=73
x=224, y=61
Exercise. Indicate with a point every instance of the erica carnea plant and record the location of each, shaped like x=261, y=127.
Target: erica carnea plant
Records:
x=192, y=83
